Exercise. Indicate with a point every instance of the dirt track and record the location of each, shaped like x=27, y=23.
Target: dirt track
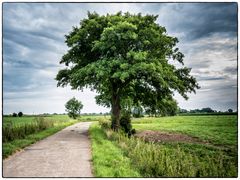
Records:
x=64, y=154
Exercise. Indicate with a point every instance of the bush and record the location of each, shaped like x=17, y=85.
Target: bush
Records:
x=105, y=124
x=125, y=123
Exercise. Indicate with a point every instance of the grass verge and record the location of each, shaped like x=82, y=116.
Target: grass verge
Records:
x=158, y=159
x=108, y=159
x=176, y=160
x=10, y=147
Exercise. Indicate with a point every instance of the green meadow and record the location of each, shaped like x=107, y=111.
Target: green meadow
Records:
x=216, y=158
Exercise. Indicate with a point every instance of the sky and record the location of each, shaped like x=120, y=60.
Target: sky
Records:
x=34, y=42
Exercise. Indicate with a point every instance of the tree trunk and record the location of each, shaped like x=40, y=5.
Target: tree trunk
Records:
x=116, y=109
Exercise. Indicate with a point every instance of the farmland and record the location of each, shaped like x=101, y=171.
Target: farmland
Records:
x=19, y=132
x=212, y=151
x=178, y=146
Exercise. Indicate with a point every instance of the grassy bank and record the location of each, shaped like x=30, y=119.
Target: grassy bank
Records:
x=108, y=158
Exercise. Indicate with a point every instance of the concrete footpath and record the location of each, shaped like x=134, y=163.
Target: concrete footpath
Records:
x=64, y=154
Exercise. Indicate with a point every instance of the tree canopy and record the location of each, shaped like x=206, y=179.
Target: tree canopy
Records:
x=126, y=59
x=73, y=107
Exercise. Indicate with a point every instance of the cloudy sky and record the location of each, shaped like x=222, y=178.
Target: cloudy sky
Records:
x=33, y=44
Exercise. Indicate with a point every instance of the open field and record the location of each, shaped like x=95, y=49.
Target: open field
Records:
x=216, y=157
x=220, y=130
x=208, y=149
x=19, y=132
x=54, y=118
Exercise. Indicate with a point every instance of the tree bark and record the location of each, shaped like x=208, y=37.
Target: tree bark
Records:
x=116, y=109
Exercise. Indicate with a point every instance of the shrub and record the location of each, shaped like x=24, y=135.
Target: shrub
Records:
x=105, y=124
x=125, y=123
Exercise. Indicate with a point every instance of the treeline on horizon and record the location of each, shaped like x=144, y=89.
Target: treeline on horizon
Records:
x=181, y=112
x=205, y=111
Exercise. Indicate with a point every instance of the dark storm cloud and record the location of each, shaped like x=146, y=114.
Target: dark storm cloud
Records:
x=209, y=78
x=197, y=20
x=199, y=63
x=230, y=70
x=212, y=18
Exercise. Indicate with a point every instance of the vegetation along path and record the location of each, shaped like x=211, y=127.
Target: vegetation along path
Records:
x=64, y=154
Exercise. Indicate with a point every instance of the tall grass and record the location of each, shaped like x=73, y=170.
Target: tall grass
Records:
x=159, y=160
x=13, y=131
x=108, y=159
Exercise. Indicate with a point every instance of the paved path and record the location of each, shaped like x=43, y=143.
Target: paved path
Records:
x=64, y=154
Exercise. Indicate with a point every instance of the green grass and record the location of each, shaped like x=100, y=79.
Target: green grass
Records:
x=12, y=131
x=220, y=130
x=108, y=159
x=174, y=159
x=18, y=120
x=23, y=131
x=93, y=118
x=17, y=144
x=54, y=118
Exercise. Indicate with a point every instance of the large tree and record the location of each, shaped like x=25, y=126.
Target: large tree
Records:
x=124, y=57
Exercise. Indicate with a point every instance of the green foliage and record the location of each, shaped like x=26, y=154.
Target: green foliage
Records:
x=165, y=107
x=73, y=107
x=108, y=160
x=124, y=56
x=105, y=124
x=125, y=122
x=14, y=114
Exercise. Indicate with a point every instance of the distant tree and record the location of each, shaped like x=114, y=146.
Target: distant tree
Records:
x=230, y=110
x=124, y=56
x=137, y=111
x=183, y=111
x=73, y=107
x=14, y=114
x=20, y=114
x=207, y=110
